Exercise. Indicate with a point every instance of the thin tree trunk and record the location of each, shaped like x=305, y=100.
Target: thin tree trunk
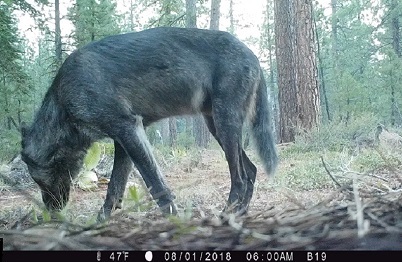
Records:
x=6, y=102
x=172, y=132
x=321, y=75
x=215, y=14
x=164, y=125
x=334, y=48
x=191, y=22
x=396, y=38
x=131, y=16
x=191, y=14
x=334, y=34
x=93, y=20
x=271, y=51
x=58, y=51
x=231, y=18
x=19, y=113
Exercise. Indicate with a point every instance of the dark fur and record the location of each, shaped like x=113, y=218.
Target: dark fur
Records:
x=116, y=86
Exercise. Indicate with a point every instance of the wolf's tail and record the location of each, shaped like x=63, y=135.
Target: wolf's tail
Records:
x=261, y=129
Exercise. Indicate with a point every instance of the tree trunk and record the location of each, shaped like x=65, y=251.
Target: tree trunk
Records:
x=286, y=71
x=93, y=20
x=199, y=135
x=396, y=38
x=308, y=95
x=231, y=18
x=6, y=102
x=165, y=130
x=297, y=71
x=131, y=16
x=58, y=51
x=271, y=51
x=215, y=14
x=334, y=34
x=191, y=22
x=336, y=74
x=19, y=113
x=321, y=75
x=191, y=14
x=172, y=132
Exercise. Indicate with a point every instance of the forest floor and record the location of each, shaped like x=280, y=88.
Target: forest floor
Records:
x=286, y=211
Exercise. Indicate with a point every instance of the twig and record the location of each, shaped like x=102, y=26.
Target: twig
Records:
x=329, y=173
x=364, y=174
x=291, y=196
x=387, y=227
x=362, y=227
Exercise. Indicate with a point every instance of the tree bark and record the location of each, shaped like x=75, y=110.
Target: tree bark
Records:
x=286, y=71
x=308, y=95
x=299, y=98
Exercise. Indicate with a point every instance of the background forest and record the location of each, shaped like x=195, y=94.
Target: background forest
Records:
x=334, y=79
x=356, y=46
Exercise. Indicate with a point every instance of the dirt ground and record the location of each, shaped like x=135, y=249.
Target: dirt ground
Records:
x=201, y=186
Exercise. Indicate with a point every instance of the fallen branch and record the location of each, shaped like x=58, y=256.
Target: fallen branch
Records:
x=329, y=173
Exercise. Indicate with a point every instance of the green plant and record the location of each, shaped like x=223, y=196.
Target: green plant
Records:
x=303, y=171
x=93, y=156
x=87, y=179
x=336, y=136
x=137, y=199
x=46, y=216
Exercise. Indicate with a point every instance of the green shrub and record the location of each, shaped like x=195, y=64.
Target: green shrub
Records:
x=186, y=140
x=303, y=171
x=344, y=148
x=337, y=136
x=137, y=199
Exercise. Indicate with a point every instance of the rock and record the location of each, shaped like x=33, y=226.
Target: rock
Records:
x=16, y=173
x=105, y=166
x=87, y=180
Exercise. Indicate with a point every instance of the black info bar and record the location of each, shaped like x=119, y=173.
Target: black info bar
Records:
x=198, y=256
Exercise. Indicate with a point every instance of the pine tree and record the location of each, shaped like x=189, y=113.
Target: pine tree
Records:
x=93, y=20
x=13, y=77
x=299, y=96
